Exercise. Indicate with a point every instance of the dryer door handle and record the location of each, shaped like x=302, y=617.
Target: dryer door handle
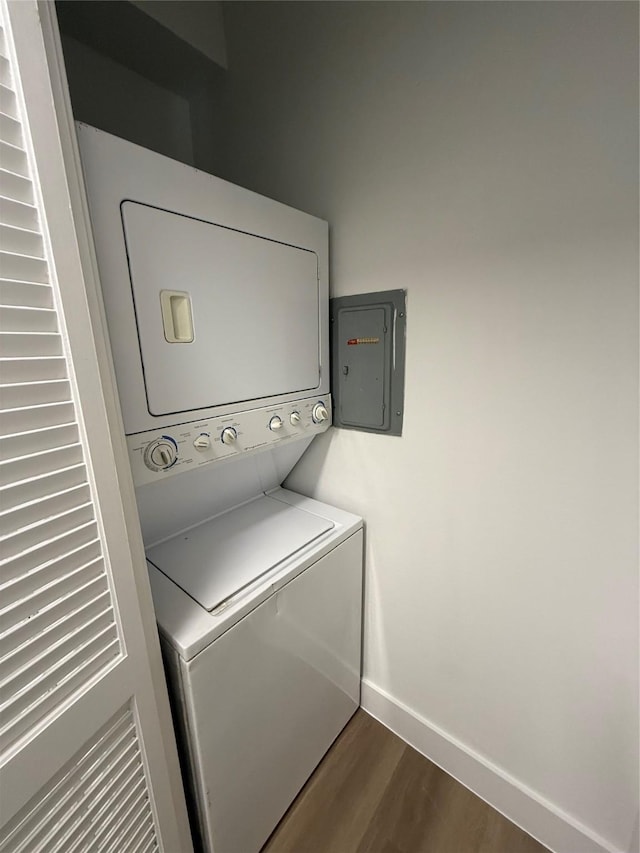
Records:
x=177, y=317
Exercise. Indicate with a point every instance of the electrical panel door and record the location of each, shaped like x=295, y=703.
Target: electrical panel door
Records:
x=364, y=366
x=368, y=355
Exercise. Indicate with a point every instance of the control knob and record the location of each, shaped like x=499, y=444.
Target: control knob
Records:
x=319, y=413
x=275, y=422
x=160, y=454
x=202, y=442
x=295, y=418
x=228, y=435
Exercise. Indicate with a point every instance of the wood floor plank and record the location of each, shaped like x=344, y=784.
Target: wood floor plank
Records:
x=374, y=794
x=408, y=809
x=335, y=807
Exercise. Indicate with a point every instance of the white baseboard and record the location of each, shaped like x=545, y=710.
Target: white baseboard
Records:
x=548, y=824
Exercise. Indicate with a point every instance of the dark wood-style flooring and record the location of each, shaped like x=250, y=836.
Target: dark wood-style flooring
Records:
x=374, y=794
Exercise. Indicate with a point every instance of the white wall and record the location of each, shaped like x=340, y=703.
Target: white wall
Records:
x=198, y=22
x=111, y=97
x=483, y=156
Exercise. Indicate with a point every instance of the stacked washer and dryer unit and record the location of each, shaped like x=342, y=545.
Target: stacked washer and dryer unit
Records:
x=217, y=306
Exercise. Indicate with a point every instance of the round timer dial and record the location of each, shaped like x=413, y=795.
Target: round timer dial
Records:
x=161, y=454
x=228, y=435
x=319, y=413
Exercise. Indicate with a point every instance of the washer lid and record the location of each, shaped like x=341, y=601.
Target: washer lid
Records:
x=216, y=559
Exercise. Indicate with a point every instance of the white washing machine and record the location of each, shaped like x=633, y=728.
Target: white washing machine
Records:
x=216, y=302
x=263, y=682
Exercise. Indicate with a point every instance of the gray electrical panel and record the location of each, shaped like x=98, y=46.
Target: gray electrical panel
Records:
x=368, y=356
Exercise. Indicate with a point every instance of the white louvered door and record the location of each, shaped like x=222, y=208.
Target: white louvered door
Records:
x=87, y=756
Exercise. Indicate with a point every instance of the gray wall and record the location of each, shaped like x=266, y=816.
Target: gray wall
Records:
x=483, y=156
x=198, y=22
x=111, y=97
x=150, y=72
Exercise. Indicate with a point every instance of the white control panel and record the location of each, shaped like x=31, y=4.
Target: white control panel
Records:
x=163, y=453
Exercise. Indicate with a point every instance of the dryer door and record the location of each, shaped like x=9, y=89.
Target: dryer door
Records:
x=222, y=316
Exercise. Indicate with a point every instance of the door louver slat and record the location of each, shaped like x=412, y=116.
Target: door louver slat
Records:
x=125, y=817
x=25, y=345
x=40, y=462
x=54, y=687
x=33, y=368
x=118, y=747
x=43, y=485
x=126, y=784
x=19, y=540
x=150, y=847
x=46, y=551
x=18, y=394
x=32, y=511
x=81, y=817
x=135, y=833
x=27, y=596
x=18, y=657
x=8, y=101
x=10, y=131
x=25, y=293
x=120, y=788
x=20, y=318
x=23, y=267
x=17, y=239
x=98, y=802
x=5, y=71
x=14, y=186
x=34, y=417
x=14, y=158
x=23, y=631
x=21, y=679
x=18, y=213
x=19, y=444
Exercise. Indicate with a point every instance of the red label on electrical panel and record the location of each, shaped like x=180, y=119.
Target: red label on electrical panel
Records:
x=353, y=341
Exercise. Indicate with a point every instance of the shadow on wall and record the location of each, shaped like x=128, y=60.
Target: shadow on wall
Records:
x=312, y=469
x=131, y=76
